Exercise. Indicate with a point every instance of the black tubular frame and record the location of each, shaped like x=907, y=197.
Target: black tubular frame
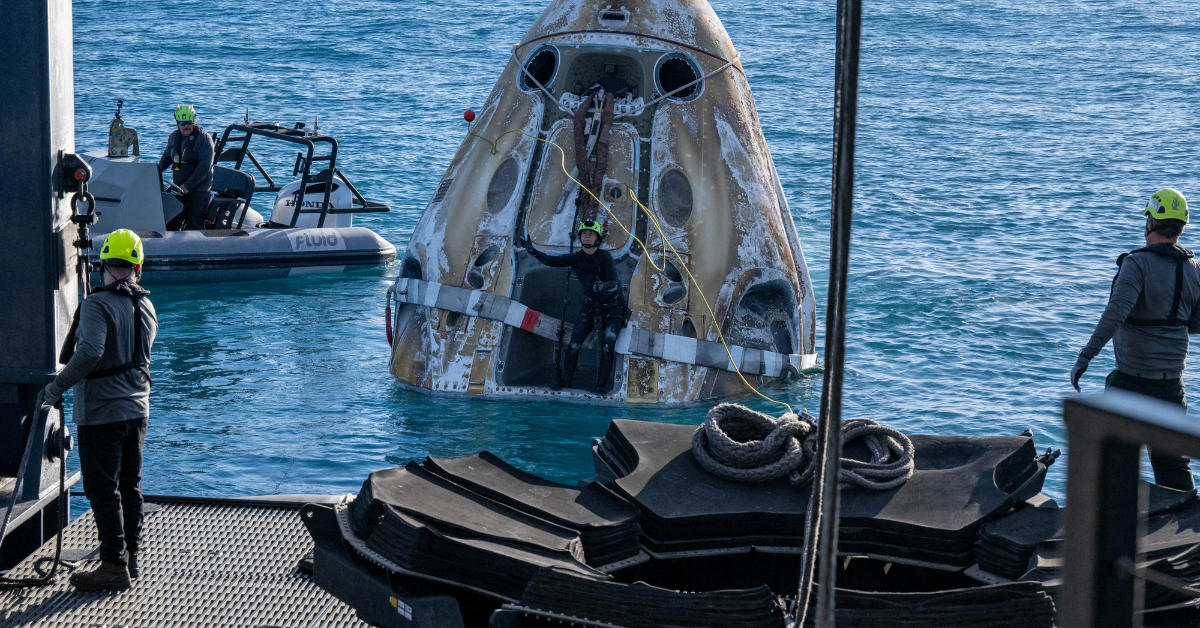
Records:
x=825, y=503
x=1105, y=434
x=302, y=167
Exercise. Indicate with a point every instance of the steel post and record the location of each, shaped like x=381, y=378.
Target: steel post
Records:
x=825, y=503
x=38, y=279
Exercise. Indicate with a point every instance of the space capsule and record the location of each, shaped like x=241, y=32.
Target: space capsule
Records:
x=636, y=114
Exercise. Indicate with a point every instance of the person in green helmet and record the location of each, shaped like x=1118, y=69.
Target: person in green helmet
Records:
x=1153, y=305
x=107, y=357
x=604, y=308
x=189, y=155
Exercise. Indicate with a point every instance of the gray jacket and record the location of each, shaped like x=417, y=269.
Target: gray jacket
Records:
x=105, y=341
x=1142, y=294
x=190, y=159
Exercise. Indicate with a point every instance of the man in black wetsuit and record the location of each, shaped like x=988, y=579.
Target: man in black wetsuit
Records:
x=604, y=300
x=189, y=154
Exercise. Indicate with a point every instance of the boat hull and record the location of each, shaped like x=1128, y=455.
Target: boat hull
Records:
x=258, y=254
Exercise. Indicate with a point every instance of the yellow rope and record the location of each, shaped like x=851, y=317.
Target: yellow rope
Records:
x=666, y=243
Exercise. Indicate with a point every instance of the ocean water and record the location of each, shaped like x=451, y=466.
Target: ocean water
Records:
x=1004, y=150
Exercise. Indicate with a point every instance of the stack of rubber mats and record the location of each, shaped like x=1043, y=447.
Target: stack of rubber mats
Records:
x=482, y=524
x=1171, y=546
x=1012, y=605
x=959, y=483
x=640, y=605
x=607, y=525
x=1007, y=547
x=428, y=525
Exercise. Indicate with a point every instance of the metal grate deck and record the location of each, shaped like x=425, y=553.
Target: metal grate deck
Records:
x=220, y=565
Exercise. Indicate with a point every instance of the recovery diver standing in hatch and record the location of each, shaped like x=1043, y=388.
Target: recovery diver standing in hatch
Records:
x=189, y=154
x=107, y=356
x=603, y=300
x=1153, y=305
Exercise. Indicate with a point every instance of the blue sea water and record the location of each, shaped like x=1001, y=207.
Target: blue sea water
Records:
x=1004, y=150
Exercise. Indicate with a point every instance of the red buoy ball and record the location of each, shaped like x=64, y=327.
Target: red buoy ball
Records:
x=469, y=115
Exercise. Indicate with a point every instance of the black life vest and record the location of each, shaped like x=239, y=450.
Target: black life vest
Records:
x=183, y=151
x=141, y=363
x=1181, y=256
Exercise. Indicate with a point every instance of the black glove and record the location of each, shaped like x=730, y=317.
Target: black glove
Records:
x=1078, y=370
x=597, y=286
x=47, y=397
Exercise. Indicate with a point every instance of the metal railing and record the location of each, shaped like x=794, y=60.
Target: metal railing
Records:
x=302, y=168
x=1102, y=582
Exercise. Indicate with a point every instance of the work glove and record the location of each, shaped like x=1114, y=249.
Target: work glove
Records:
x=47, y=398
x=1078, y=370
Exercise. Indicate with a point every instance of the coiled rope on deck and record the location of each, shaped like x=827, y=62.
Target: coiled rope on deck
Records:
x=743, y=445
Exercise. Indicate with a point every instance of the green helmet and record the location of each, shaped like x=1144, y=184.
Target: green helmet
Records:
x=185, y=113
x=1167, y=204
x=122, y=248
x=590, y=225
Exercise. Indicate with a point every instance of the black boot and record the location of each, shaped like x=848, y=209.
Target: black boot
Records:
x=133, y=565
x=604, y=370
x=568, y=369
x=108, y=576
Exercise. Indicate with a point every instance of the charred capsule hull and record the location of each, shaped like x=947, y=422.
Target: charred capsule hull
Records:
x=717, y=246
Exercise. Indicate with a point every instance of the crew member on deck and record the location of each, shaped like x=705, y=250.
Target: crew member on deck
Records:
x=189, y=154
x=1153, y=305
x=604, y=307
x=107, y=356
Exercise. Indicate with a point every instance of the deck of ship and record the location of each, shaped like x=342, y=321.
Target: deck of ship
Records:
x=205, y=562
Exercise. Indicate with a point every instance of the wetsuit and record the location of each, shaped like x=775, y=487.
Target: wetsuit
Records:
x=109, y=369
x=1154, y=305
x=191, y=161
x=606, y=305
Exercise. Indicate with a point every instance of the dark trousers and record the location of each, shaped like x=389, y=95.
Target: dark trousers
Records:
x=110, y=457
x=195, y=208
x=610, y=326
x=1169, y=471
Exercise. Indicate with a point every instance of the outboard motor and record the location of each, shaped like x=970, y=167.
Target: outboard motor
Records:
x=314, y=195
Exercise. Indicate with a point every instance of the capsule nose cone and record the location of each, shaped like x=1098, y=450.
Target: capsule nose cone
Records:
x=689, y=22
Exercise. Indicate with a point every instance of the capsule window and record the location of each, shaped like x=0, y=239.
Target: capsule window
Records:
x=541, y=65
x=504, y=183
x=673, y=72
x=410, y=268
x=674, y=197
x=672, y=273
x=674, y=295
x=475, y=279
x=487, y=255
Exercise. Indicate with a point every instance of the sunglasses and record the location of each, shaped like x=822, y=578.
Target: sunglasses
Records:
x=186, y=123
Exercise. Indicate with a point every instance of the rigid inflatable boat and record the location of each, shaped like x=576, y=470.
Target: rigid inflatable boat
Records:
x=704, y=243
x=239, y=244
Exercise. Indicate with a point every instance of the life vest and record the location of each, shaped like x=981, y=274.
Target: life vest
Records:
x=184, y=151
x=141, y=363
x=1180, y=256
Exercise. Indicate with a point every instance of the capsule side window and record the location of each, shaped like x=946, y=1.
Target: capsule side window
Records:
x=543, y=65
x=675, y=70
